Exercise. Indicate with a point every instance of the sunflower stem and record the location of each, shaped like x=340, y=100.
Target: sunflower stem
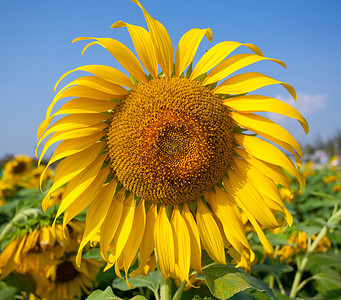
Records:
x=300, y=267
x=166, y=288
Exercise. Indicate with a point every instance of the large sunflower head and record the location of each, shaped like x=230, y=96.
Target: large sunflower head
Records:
x=163, y=159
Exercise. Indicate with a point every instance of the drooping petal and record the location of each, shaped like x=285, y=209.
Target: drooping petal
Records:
x=268, y=153
x=273, y=172
x=245, y=194
x=69, y=147
x=248, y=82
x=105, y=72
x=258, y=103
x=188, y=46
x=70, y=167
x=161, y=41
x=218, y=53
x=121, y=53
x=270, y=130
x=111, y=223
x=229, y=217
x=95, y=216
x=233, y=64
x=210, y=234
x=194, y=238
x=72, y=122
x=135, y=238
x=147, y=243
x=77, y=185
x=85, y=198
x=182, y=244
x=265, y=186
x=164, y=243
x=143, y=46
x=71, y=134
x=124, y=227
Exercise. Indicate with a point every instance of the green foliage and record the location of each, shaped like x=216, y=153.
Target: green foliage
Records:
x=225, y=281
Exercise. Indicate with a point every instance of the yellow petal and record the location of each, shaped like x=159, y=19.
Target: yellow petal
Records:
x=263, y=185
x=84, y=105
x=164, y=243
x=257, y=103
x=96, y=83
x=194, y=238
x=17, y=257
x=161, y=41
x=135, y=237
x=147, y=243
x=218, y=53
x=124, y=227
x=95, y=216
x=188, y=46
x=248, y=82
x=245, y=194
x=233, y=64
x=143, y=46
x=85, y=198
x=273, y=172
x=81, y=91
x=269, y=130
x=110, y=224
x=121, y=53
x=75, y=121
x=268, y=153
x=266, y=244
x=77, y=185
x=210, y=234
x=71, y=134
x=70, y=167
x=69, y=147
x=105, y=72
x=229, y=217
x=182, y=244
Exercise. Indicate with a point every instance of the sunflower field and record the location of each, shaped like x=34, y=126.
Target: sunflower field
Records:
x=37, y=258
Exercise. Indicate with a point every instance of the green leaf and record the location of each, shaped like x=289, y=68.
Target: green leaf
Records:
x=277, y=238
x=152, y=281
x=319, y=260
x=225, y=281
x=310, y=230
x=107, y=294
x=276, y=270
x=328, y=283
x=93, y=253
x=6, y=292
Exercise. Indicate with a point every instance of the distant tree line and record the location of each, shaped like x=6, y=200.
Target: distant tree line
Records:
x=331, y=146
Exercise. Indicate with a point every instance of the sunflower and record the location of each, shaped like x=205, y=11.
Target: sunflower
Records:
x=31, y=251
x=164, y=161
x=64, y=280
x=19, y=167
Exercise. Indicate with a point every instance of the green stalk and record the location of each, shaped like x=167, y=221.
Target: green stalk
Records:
x=300, y=267
x=166, y=288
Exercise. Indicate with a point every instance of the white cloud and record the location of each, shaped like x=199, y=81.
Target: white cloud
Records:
x=306, y=104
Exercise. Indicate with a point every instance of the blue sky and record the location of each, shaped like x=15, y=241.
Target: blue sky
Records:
x=36, y=50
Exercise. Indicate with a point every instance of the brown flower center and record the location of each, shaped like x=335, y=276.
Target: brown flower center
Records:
x=170, y=140
x=66, y=272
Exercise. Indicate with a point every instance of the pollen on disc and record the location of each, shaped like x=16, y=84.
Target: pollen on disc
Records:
x=170, y=140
